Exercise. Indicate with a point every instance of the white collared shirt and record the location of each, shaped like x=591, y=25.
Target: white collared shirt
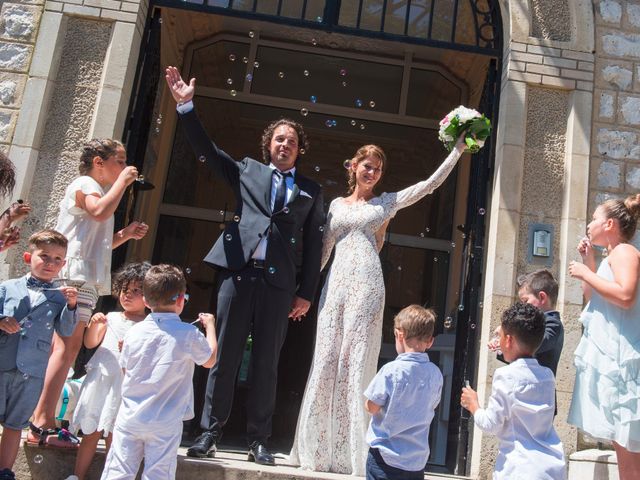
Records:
x=260, y=252
x=158, y=356
x=520, y=413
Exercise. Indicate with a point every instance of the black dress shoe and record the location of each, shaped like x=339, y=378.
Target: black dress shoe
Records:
x=258, y=453
x=204, y=446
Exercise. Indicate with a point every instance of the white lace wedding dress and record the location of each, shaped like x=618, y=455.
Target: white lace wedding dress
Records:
x=330, y=436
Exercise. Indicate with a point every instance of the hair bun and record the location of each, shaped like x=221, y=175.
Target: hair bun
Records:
x=632, y=202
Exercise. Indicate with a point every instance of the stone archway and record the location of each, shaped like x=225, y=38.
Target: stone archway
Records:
x=541, y=175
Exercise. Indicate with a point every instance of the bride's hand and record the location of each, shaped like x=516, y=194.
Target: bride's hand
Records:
x=299, y=308
x=461, y=145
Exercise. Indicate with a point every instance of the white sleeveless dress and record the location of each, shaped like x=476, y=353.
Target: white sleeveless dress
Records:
x=100, y=395
x=606, y=394
x=330, y=436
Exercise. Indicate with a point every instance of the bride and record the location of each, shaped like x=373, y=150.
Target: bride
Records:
x=330, y=436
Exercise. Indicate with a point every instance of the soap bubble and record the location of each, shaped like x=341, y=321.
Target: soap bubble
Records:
x=304, y=112
x=372, y=104
x=187, y=270
x=473, y=326
x=358, y=103
x=285, y=210
x=435, y=259
x=329, y=123
x=319, y=19
x=321, y=228
x=461, y=307
x=317, y=168
x=344, y=84
x=281, y=74
x=353, y=123
x=245, y=60
x=249, y=77
x=422, y=234
x=272, y=270
x=293, y=240
x=302, y=151
x=202, y=158
x=313, y=99
x=481, y=305
x=343, y=72
x=314, y=42
x=233, y=93
x=448, y=322
x=27, y=323
x=251, y=34
x=347, y=163
x=26, y=377
x=38, y=459
x=427, y=229
x=232, y=57
x=362, y=127
x=238, y=278
x=306, y=73
x=453, y=244
x=228, y=237
x=229, y=81
x=399, y=268
x=236, y=218
x=159, y=119
x=482, y=211
x=256, y=64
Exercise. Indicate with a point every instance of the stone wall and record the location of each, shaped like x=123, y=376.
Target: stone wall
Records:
x=615, y=166
x=19, y=23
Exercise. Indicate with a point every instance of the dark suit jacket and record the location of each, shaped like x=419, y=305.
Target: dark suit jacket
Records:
x=294, y=234
x=548, y=354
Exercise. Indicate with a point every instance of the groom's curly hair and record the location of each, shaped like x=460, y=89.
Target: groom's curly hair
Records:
x=267, y=135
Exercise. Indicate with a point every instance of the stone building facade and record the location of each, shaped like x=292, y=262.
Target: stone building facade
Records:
x=567, y=134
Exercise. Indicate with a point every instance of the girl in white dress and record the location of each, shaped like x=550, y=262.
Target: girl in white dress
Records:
x=100, y=397
x=86, y=219
x=606, y=396
x=330, y=436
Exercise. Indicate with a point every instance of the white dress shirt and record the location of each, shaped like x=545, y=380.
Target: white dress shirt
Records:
x=520, y=413
x=158, y=357
x=260, y=252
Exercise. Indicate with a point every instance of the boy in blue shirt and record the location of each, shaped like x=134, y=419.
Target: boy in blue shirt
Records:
x=31, y=309
x=402, y=399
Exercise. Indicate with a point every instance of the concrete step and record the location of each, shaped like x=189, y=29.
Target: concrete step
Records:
x=55, y=464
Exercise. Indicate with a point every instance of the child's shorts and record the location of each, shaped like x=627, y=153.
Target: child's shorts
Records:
x=19, y=395
x=377, y=469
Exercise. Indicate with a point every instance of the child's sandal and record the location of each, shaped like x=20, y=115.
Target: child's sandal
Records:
x=60, y=437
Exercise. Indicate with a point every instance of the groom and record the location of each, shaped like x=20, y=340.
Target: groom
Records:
x=269, y=263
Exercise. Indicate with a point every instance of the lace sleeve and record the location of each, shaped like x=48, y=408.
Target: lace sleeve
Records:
x=328, y=240
x=412, y=194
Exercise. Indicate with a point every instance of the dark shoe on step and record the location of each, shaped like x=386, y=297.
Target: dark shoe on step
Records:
x=204, y=446
x=7, y=474
x=258, y=453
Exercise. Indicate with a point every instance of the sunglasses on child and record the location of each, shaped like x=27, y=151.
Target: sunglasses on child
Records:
x=183, y=295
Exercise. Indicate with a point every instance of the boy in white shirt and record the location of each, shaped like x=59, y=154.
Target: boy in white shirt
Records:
x=157, y=358
x=521, y=407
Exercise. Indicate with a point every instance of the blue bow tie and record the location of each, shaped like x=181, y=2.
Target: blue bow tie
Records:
x=33, y=282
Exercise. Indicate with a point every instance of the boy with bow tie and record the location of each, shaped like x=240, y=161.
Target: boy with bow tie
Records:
x=31, y=309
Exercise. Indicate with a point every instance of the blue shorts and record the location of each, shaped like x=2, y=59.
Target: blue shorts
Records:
x=377, y=469
x=19, y=395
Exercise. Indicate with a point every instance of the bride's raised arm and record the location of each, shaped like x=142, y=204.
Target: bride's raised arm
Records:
x=412, y=194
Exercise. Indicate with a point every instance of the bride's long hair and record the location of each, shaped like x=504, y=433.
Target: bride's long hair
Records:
x=364, y=152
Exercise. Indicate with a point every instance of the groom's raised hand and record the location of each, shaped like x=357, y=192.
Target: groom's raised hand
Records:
x=180, y=90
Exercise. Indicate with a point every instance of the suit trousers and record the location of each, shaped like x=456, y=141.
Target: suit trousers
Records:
x=247, y=304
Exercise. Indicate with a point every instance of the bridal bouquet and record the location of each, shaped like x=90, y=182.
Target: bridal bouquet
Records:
x=463, y=119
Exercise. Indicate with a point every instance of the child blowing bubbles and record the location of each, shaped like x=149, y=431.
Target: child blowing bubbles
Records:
x=86, y=217
x=31, y=310
x=402, y=398
x=521, y=407
x=100, y=396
